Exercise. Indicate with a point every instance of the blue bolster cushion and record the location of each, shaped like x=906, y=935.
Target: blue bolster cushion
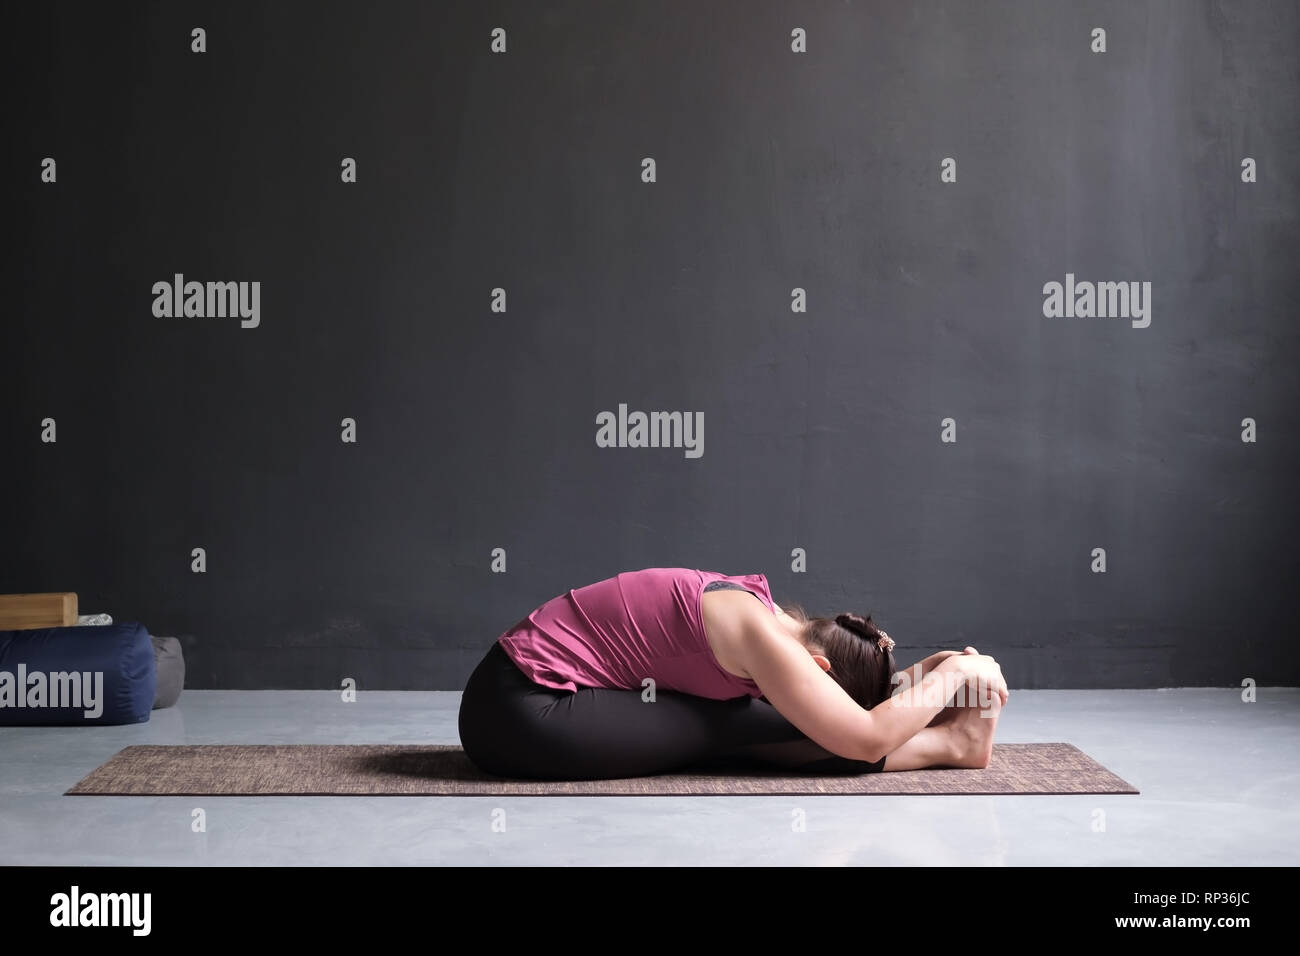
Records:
x=77, y=675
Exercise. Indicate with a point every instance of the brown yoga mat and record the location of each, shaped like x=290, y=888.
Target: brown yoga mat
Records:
x=417, y=771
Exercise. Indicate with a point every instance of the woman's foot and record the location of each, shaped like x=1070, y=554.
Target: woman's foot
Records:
x=971, y=731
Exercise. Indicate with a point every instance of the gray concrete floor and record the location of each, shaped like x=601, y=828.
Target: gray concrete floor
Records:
x=1218, y=777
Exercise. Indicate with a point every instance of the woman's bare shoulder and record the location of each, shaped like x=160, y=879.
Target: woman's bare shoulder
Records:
x=731, y=619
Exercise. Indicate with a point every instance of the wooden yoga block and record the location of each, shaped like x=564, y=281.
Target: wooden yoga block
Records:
x=22, y=612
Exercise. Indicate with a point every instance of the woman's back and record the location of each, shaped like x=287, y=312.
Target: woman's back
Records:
x=635, y=625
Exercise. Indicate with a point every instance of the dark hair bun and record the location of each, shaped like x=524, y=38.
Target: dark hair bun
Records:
x=860, y=626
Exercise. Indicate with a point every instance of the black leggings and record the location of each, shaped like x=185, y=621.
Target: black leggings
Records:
x=512, y=727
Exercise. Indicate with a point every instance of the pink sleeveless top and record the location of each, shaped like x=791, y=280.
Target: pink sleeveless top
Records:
x=638, y=624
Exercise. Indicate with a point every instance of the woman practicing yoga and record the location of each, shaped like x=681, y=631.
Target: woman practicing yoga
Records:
x=666, y=668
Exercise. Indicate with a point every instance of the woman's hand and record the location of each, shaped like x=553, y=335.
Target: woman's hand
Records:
x=937, y=658
x=979, y=671
x=910, y=676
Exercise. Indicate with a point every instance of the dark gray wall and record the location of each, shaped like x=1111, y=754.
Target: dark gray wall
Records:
x=776, y=170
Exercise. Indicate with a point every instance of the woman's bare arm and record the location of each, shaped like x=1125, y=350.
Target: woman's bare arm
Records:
x=811, y=700
x=912, y=675
x=907, y=676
